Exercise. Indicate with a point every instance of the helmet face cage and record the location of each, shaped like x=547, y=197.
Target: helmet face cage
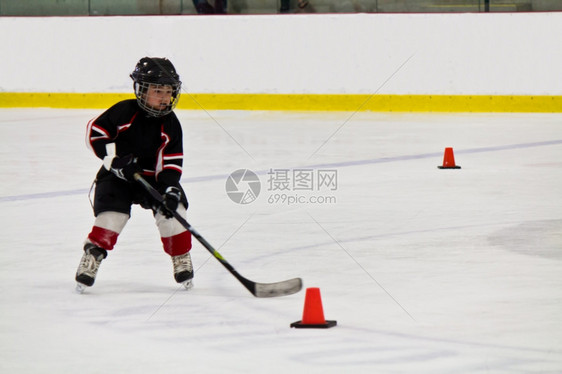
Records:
x=150, y=75
x=142, y=93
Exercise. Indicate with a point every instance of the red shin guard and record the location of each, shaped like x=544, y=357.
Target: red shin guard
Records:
x=103, y=238
x=178, y=244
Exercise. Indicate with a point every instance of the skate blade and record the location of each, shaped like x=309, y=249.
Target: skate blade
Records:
x=80, y=288
x=188, y=284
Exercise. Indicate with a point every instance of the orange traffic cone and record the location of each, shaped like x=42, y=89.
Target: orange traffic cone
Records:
x=449, y=160
x=313, y=313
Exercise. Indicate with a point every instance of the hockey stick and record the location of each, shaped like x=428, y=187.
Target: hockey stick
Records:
x=287, y=287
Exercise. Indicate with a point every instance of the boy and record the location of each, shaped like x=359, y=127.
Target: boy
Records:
x=139, y=136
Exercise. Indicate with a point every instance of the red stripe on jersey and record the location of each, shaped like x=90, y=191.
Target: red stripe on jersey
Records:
x=160, y=157
x=173, y=156
x=124, y=127
x=173, y=167
x=103, y=133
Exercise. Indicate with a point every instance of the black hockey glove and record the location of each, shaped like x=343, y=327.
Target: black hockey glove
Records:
x=171, y=201
x=124, y=167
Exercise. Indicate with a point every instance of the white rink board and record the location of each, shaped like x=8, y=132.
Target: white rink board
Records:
x=440, y=54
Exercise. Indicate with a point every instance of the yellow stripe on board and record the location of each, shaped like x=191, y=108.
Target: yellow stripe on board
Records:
x=60, y=100
x=301, y=102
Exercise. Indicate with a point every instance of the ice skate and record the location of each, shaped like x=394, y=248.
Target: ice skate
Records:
x=89, y=265
x=183, y=270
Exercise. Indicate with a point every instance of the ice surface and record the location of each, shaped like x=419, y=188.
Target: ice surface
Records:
x=425, y=270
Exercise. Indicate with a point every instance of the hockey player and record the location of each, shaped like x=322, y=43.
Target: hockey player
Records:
x=139, y=136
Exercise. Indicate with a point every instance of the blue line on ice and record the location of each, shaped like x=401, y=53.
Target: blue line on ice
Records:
x=46, y=195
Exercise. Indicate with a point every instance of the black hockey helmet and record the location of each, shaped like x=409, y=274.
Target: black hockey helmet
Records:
x=155, y=71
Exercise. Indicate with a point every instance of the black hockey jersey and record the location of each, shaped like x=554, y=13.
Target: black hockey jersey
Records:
x=155, y=141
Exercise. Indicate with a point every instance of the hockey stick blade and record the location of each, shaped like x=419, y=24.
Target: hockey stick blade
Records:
x=276, y=289
x=283, y=288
